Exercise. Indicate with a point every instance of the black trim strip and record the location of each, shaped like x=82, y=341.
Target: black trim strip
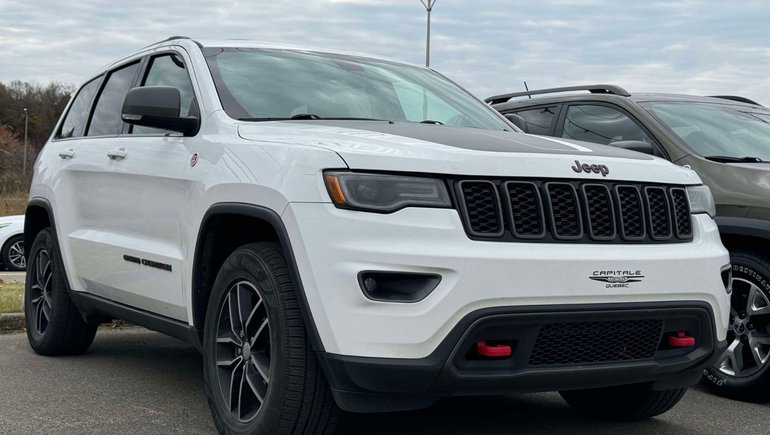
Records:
x=95, y=306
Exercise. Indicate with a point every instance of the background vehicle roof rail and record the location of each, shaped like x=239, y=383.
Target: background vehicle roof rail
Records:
x=594, y=89
x=171, y=38
x=736, y=98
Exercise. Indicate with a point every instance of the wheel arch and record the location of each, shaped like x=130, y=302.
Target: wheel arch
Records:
x=745, y=234
x=38, y=216
x=224, y=228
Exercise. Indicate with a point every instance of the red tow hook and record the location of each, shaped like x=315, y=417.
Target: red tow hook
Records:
x=681, y=339
x=496, y=351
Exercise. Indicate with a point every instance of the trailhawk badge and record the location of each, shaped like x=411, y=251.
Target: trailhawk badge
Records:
x=617, y=278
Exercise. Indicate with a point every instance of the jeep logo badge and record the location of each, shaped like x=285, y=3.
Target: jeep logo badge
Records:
x=596, y=169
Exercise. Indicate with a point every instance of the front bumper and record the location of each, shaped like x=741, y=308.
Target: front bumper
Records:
x=387, y=384
x=331, y=246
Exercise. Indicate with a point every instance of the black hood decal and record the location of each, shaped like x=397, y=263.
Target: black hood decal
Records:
x=482, y=140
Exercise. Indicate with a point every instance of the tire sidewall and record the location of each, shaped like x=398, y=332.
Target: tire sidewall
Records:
x=245, y=265
x=6, y=257
x=743, y=267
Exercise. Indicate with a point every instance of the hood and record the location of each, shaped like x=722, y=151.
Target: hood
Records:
x=426, y=148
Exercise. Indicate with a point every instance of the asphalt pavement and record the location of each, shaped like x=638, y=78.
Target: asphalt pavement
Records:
x=136, y=381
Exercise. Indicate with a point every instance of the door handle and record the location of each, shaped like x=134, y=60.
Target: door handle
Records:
x=118, y=154
x=67, y=154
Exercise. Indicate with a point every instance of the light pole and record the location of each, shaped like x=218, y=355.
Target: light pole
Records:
x=26, y=128
x=428, y=8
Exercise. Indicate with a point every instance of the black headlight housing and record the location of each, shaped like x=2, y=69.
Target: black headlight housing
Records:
x=385, y=193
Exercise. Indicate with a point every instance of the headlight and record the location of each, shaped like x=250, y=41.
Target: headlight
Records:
x=385, y=193
x=701, y=200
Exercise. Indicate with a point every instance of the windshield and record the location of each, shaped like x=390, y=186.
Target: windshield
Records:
x=739, y=132
x=262, y=85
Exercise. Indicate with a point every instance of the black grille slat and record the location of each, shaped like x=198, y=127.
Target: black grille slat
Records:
x=574, y=211
x=631, y=214
x=659, y=212
x=599, y=209
x=682, y=218
x=526, y=209
x=568, y=343
x=482, y=208
x=565, y=211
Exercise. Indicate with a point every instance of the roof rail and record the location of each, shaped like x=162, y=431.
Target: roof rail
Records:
x=736, y=98
x=171, y=38
x=594, y=89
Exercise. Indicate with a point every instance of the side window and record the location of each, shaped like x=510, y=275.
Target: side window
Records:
x=106, y=118
x=536, y=121
x=601, y=124
x=74, y=124
x=169, y=70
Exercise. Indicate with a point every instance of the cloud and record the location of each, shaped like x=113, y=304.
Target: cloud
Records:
x=487, y=46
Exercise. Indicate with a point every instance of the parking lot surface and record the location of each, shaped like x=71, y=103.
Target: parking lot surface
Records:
x=136, y=381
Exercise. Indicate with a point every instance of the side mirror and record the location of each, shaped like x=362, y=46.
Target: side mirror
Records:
x=158, y=107
x=517, y=120
x=634, y=145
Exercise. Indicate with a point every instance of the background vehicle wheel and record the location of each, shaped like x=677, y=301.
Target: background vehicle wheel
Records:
x=626, y=402
x=13, y=253
x=742, y=372
x=262, y=377
x=54, y=325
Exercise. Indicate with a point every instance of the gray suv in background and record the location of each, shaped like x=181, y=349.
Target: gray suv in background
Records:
x=726, y=139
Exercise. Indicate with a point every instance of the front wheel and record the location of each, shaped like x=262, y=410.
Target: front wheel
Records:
x=262, y=376
x=627, y=402
x=743, y=370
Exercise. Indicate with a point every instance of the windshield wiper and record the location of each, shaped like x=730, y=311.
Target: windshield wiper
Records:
x=729, y=159
x=430, y=121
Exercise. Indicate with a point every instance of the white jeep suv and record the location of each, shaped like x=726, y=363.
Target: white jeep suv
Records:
x=342, y=231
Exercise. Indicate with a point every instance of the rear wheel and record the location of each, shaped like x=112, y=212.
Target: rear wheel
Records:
x=743, y=370
x=262, y=377
x=13, y=254
x=54, y=324
x=627, y=402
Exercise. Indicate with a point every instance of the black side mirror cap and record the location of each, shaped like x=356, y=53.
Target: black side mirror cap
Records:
x=635, y=145
x=158, y=107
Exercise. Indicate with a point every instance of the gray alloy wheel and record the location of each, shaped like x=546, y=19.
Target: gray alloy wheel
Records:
x=243, y=351
x=748, y=336
x=16, y=255
x=41, y=292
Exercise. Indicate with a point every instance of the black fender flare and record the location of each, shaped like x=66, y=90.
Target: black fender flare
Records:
x=745, y=227
x=272, y=218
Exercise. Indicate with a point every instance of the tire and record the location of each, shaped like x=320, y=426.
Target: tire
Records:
x=12, y=254
x=54, y=325
x=282, y=389
x=748, y=336
x=626, y=402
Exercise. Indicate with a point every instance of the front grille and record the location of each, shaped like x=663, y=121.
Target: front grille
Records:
x=573, y=211
x=569, y=343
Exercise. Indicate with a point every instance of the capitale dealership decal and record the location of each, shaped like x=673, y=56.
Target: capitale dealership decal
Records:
x=617, y=278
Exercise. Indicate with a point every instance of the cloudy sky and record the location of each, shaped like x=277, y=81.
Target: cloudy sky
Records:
x=488, y=46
